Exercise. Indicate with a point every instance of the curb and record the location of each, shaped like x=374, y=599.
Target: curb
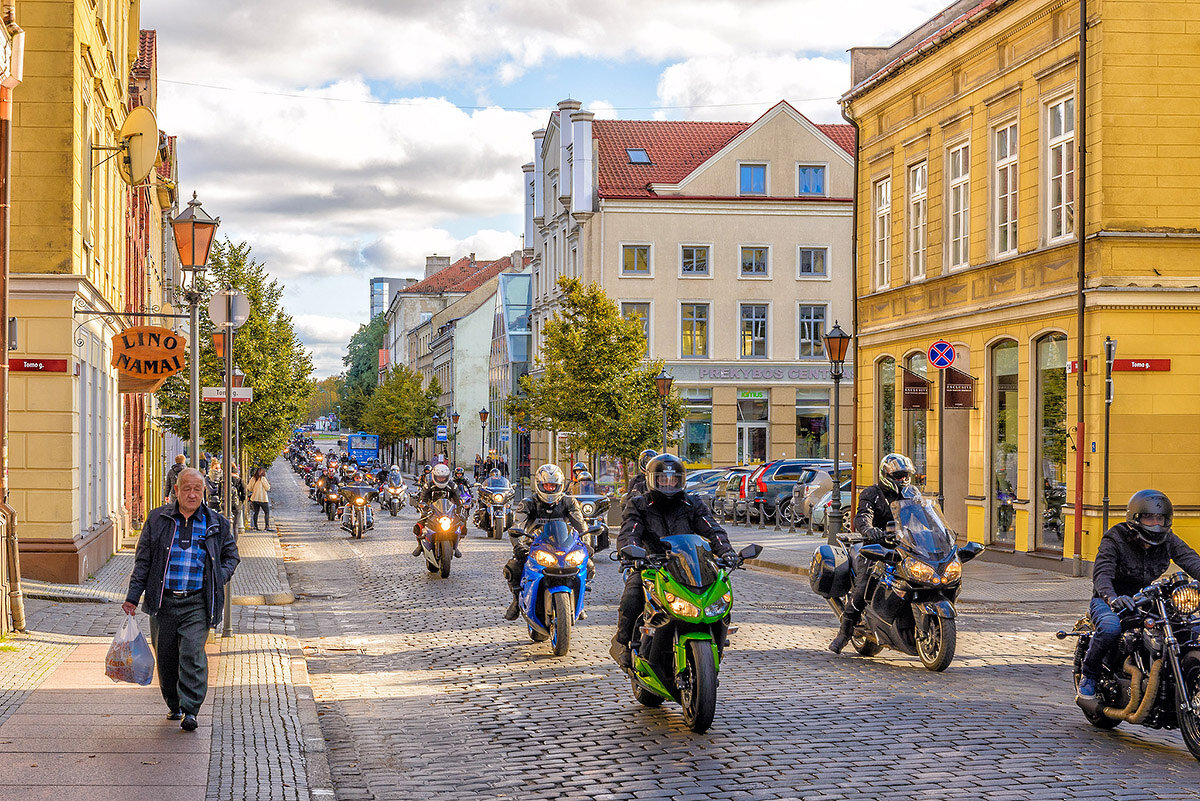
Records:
x=316, y=760
x=272, y=598
x=778, y=567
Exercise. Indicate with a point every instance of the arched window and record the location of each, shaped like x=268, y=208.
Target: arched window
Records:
x=1050, y=440
x=1002, y=408
x=885, y=420
x=916, y=433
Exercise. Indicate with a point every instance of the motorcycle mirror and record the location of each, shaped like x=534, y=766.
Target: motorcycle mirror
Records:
x=595, y=528
x=970, y=551
x=516, y=532
x=750, y=552
x=892, y=527
x=633, y=552
x=878, y=553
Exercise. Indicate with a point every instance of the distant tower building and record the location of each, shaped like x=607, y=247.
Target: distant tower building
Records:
x=382, y=291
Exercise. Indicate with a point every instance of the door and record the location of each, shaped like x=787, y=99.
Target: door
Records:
x=752, y=443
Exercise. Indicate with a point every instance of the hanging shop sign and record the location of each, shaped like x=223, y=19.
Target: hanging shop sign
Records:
x=916, y=392
x=960, y=389
x=145, y=356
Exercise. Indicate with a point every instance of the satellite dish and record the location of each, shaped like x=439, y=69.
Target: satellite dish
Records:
x=139, y=145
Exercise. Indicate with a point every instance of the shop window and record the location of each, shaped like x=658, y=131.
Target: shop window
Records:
x=1051, y=440
x=697, y=427
x=1003, y=405
x=916, y=423
x=812, y=423
x=886, y=419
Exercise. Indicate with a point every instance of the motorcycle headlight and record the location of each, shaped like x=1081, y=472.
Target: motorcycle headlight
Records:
x=588, y=510
x=545, y=558
x=1186, y=599
x=718, y=607
x=682, y=607
x=953, y=571
x=360, y=500
x=576, y=558
x=444, y=523
x=919, y=571
x=497, y=498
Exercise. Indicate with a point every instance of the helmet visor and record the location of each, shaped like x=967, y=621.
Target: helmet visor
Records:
x=668, y=482
x=550, y=487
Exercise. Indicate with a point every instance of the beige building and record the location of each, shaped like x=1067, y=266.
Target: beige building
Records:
x=730, y=241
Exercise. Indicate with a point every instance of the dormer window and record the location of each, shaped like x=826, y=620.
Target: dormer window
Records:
x=637, y=155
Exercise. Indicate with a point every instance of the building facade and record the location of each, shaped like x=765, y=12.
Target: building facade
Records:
x=509, y=360
x=969, y=229
x=730, y=242
x=383, y=290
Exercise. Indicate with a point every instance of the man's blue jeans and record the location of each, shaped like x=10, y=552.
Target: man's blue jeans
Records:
x=1108, y=630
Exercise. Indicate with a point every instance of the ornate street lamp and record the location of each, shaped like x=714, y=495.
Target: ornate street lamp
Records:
x=454, y=417
x=483, y=416
x=837, y=342
x=663, y=381
x=194, y=230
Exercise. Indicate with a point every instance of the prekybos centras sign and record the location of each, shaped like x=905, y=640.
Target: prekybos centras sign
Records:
x=145, y=356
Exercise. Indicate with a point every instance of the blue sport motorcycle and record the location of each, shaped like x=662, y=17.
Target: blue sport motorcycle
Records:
x=553, y=584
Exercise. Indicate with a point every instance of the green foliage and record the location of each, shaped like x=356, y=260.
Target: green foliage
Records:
x=358, y=383
x=266, y=349
x=399, y=409
x=594, y=381
x=325, y=398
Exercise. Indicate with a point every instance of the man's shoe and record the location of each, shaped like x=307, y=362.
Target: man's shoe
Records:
x=620, y=654
x=514, y=609
x=417, y=550
x=1087, y=688
x=843, y=636
x=189, y=722
x=583, y=615
x=174, y=714
x=457, y=554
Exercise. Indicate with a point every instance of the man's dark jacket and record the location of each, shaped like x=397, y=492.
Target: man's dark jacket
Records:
x=874, y=512
x=1124, y=565
x=532, y=512
x=154, y=551
x=637, y=485
x=645, y=522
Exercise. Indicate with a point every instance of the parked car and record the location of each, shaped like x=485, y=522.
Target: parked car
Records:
x=822, y=509
x=772, y=484
x=703, y=483
x=813, y=483
x=730, y=491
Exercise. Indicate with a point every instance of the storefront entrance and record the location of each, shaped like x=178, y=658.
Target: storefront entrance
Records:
x=751, y=443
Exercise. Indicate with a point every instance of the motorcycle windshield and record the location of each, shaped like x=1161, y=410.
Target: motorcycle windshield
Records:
x=558, y=534
x=395, y=479
x=497, y=484
x=921, y=530
x=690, y=560
x=442, y=506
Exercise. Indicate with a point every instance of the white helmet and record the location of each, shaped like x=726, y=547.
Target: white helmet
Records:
x=549, y=483
x=440, y=475
x=395, y=468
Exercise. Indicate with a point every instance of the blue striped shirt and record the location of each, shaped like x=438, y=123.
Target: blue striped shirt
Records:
x=185, y=567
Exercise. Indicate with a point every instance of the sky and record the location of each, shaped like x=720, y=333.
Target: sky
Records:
x=349, y=140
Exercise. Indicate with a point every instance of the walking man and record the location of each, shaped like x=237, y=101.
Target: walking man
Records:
x=185, y=555
x=173, y=475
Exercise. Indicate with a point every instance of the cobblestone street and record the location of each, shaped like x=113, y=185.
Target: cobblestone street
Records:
x=424, y=691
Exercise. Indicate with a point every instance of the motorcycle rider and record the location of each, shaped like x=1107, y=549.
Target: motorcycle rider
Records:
x=637, y=484
x=665, y=509
x=1131, y=555
x=548, y=502
x=440, y=486
x=583, y=484
x=357, y=485
x=460, y=479
x=874, y=513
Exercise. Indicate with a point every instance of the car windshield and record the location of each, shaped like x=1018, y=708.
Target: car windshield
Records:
x=690, y=560
x=558, y=534
x=921, y=530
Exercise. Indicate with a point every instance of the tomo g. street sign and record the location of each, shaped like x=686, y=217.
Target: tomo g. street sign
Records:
x=941, y=354
x=217, y=394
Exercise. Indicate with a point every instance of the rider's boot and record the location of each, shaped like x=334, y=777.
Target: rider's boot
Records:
x=850, y=618
x=514, y=608
x=619, y=651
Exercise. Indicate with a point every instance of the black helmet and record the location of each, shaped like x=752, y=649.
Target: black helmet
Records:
x=644, y=458
x=896, y=472
x=494, y=473
x=458, y=472
x=1150, y=502
x=428, y=467
x=665, y=477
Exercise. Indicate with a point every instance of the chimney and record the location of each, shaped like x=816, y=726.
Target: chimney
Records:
x=581, y=162
x=530, y=189
x=539, y=178
x=434, y=264
x=565, y=108
x=471, y=260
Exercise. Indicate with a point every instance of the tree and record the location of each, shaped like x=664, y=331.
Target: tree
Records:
x=399, y=408
x=267, y=350
x=362, y=377
x=594, y=381
x=325, y=398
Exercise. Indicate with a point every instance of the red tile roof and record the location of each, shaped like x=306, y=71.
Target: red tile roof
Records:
x=147, y=43
x=463, y=275
x=675, y=149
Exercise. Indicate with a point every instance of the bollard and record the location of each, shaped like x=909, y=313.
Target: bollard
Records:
x=778, y=509
x=792, y=518
x=762, y=514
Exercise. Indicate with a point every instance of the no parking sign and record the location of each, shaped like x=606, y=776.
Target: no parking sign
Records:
x=941, y=354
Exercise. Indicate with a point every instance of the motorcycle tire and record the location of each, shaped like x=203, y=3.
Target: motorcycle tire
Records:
x=1189, y=721
x=865, y=646
x=1100, y=721
x=430, y=568
x=699, y=694
x=497, y=531
x=644, y=696
x=537, y=636
x=560, y=624
x=445, y=556
x=936, y=649
x=330, y=511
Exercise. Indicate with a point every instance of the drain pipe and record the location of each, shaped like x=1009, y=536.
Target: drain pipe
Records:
x=1081, y=237
x=853, y=323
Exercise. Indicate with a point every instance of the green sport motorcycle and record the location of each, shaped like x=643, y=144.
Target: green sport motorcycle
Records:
x=681, y=635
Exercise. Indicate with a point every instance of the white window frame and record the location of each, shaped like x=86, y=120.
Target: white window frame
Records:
x=958, y=206
x=766, y=337
x=753, y=276
x=813, y=276
x=881, y=232
x=1063, y=215
x=708, y=340
x=808, y=304
x=621, y=262
x=824, y=165
x=766, y=165
x=917, y=188
x=1005, y=206
x=691, y=276
x=649, y=317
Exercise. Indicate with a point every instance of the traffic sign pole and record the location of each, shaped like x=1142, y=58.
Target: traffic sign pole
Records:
x=941, y=355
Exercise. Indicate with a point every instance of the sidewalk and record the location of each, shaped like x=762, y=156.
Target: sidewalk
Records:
x=984, y=582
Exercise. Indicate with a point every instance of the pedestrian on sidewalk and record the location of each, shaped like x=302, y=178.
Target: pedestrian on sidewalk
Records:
x=258, y=489
x=185, y=556
x=237, y=497
x=173, y=475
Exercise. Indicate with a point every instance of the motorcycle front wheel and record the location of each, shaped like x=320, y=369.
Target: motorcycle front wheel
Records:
x=560, y=627
x=935, y=643
x=497, y=529
x=445, y=556
x=330, y=511
x=1189, y=717
x=699, y=696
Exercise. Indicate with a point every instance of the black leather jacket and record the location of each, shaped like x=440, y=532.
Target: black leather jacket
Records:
x=532, y=513
x=646, y=522
x=874, y=512
x=431, y=492
x=1124, y=565
x=637, y=486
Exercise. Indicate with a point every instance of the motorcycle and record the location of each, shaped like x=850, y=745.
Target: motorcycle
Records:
x=1152, y=676
x=356, y=512
x=913, y=584
x=595, y=514
x=330, y=501
x=682, y=633
x=553, y=584
x=391, y=498
x=317, y=489
x=495, y=513
x=441, y=530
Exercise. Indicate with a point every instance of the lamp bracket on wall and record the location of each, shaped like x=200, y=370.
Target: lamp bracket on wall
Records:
x=114, y=318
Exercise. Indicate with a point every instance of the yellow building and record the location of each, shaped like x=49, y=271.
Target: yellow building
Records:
x=967, y=231
x=69, y=249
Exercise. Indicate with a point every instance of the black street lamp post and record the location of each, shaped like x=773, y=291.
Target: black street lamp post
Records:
x=454, y=417
x=483, y=416
x=663, y=381
x=837, y=342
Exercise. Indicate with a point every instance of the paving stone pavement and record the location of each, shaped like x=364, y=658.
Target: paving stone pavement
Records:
x=424, y=692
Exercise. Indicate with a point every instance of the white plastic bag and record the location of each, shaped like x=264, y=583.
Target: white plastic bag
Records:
x=129, y=657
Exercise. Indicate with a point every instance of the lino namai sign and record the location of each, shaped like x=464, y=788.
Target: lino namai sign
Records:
x=145, y=356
